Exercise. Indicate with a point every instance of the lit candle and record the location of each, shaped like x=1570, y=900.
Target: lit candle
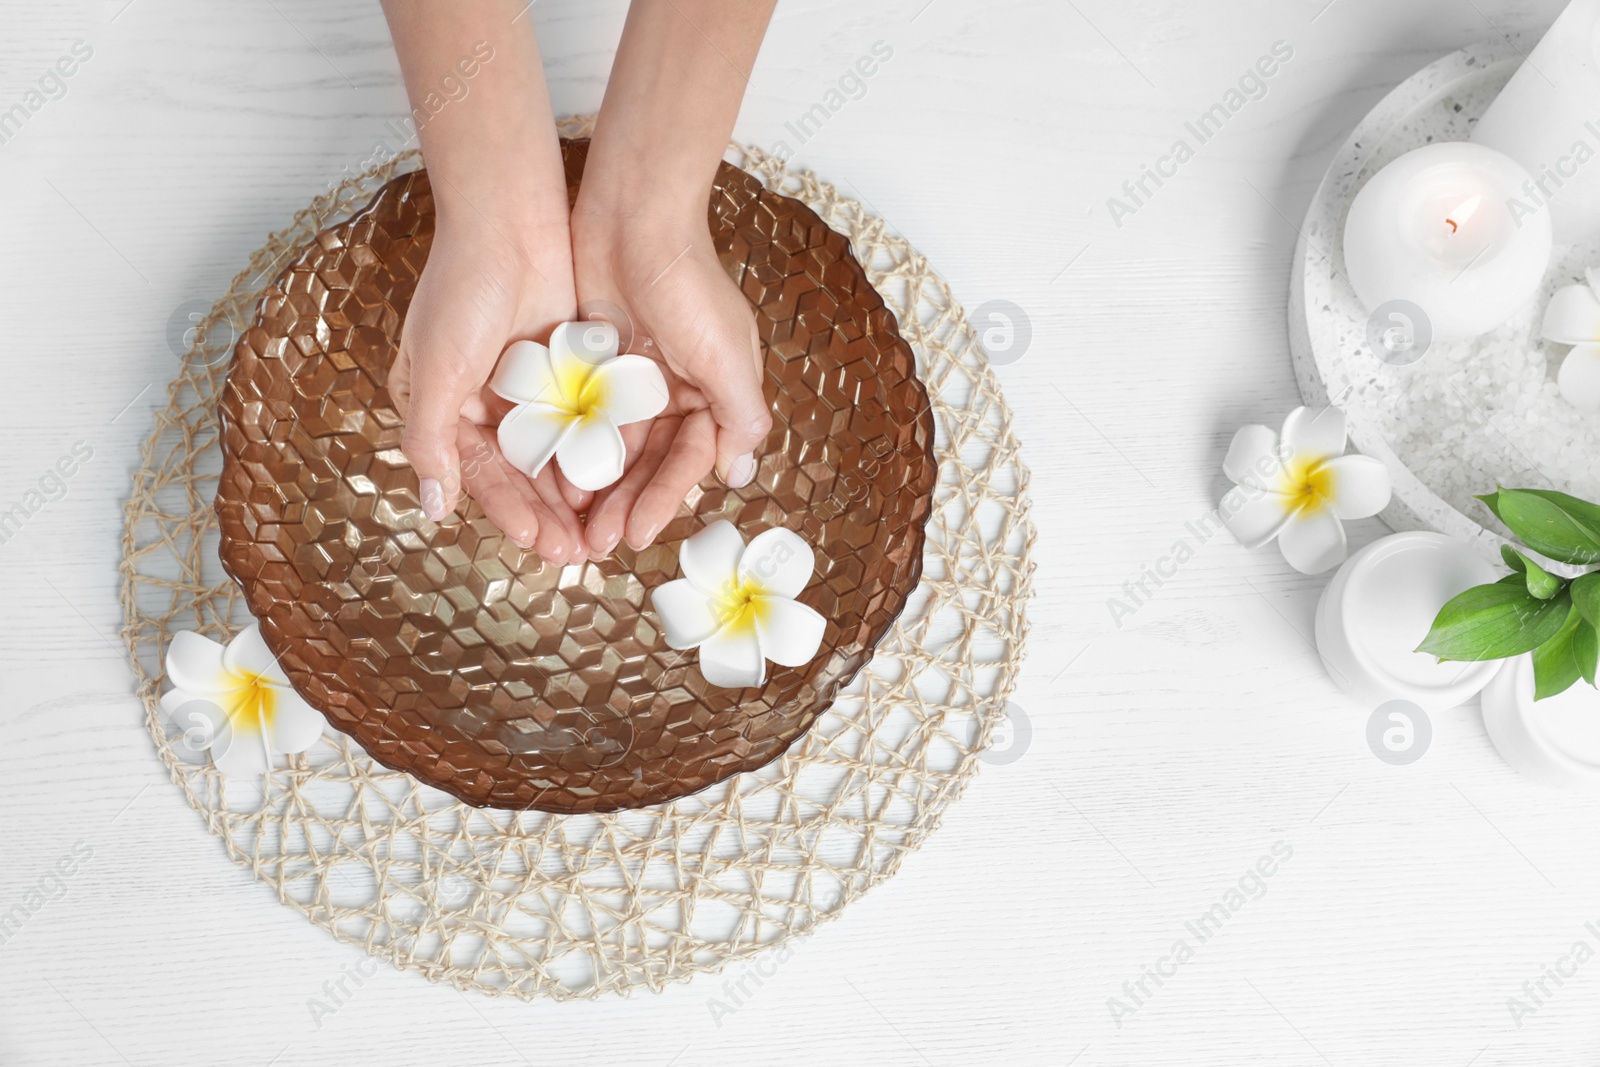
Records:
x=1547, y=118
x=1435, y=228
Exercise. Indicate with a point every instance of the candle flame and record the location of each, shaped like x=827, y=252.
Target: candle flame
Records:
x=1463, y=212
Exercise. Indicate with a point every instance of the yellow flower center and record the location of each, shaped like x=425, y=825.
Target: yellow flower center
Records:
x=250, y=702
x=740, y=606
x=1308, y=482
x=582, y=392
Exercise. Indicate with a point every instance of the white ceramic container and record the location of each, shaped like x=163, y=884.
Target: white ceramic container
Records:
x=1555, y=740
x=1379, y=607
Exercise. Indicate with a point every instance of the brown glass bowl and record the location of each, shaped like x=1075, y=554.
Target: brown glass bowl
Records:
x=453, y=655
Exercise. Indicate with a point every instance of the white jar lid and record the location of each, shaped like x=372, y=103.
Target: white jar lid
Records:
x=1557, y=739
x=1379, y=608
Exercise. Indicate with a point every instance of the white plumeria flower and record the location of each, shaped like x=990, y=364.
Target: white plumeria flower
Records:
x=570, y=398
x=236, y=702
x=736, y=603
x=1573, y=318
x=1300, y=487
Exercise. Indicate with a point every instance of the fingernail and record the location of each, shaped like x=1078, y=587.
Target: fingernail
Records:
x=645, y=541
x=524, y=542
x=432, y=499
x=608, y=543
x=741, y=470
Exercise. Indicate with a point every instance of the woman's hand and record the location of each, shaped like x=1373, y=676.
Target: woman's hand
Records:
x=640, y=242
x=480, y=290
x=660, y=276
x=500, y=268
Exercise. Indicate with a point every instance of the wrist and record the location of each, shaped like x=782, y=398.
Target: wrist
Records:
x=647, y=200
x=626, y=250
x=515, y=205
x=503, y=234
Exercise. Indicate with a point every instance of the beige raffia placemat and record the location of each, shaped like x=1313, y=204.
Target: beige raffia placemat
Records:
x=536, y=905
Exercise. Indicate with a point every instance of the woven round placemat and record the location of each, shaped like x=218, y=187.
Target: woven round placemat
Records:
x=565, y=906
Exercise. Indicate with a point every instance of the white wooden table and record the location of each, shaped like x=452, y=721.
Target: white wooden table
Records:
x=1168, y=753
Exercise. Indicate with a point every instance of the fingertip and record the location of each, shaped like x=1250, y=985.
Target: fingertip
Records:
x=438, y=477
x=577, y=499
x=524, y=537
x=431, y=496
x=603, y=538
x=552, y=545
x=741, y=471
x=643, y=529
x=738, y=443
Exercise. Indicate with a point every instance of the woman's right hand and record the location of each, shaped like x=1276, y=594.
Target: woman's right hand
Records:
x=500, y=269
x=486, y=283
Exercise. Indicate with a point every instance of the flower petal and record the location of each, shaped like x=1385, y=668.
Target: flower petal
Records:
x=1572, y=317
x=248, y=654
x=592, y=454
x=710, y=558
x=778, y=561
x=1313, y=541
x=592, y=342
x=576, y=348
x=790, y=632
x=1579, y=377
x=1253, y=457
x=194, y=664
x=687, y=613
x=531, y=433
x=630, y=389
x=732, y=658
x=1314, y=433
x=1359, y=486
x=241, y=753
x=296, y=725
x=196, y=724
x=1254, y=516
x=524, y=374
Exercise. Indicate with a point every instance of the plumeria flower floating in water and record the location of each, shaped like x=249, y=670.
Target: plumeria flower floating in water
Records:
x=236, y=701
x=736, y=603
x=571, y=397
x=1573, y=318
x=1299, y=487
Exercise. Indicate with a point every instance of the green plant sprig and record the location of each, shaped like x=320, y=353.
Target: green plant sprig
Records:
x=1530, y=609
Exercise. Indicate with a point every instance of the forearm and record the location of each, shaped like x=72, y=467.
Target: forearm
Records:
x=680, y=73
x=482, y=110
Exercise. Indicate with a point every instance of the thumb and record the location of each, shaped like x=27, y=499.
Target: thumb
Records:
x=436, y=385
x=452, y=334
x=735, y=398
x=428, y=442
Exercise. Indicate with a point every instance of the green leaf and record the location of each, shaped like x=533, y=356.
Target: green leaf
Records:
x=1541, y=583
x=1555, y=665
x=1586, y=597
x=1586, y=650
x=1492, y=502
x=1552, y=524
x=1495, y=622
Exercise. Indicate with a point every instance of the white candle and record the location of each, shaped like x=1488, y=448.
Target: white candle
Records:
x=1548, y=119
x=1434, y=228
